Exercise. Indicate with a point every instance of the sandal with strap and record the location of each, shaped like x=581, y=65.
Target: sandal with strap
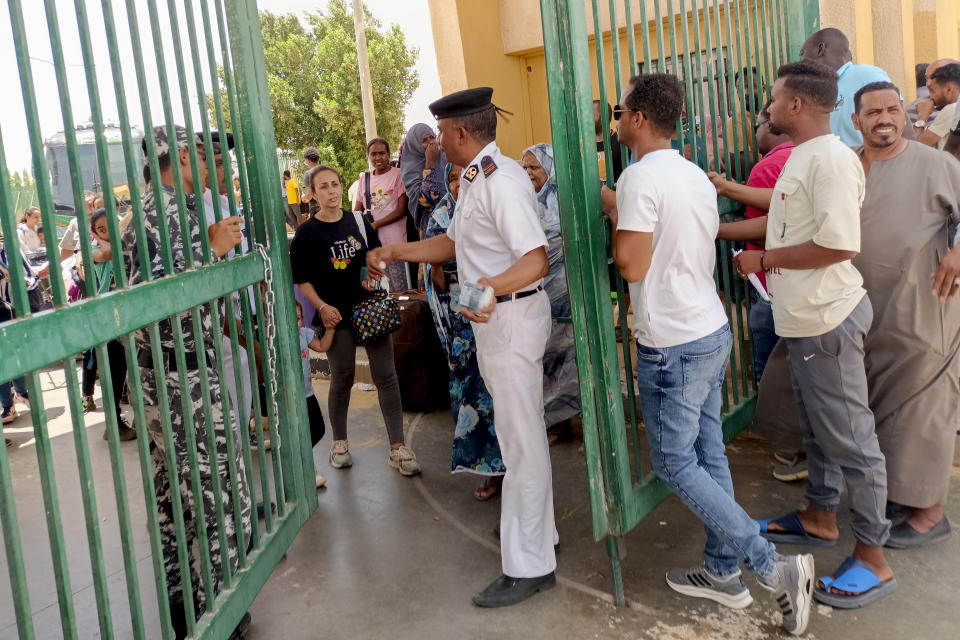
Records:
x=792, y=531
x=857, y=578
x=486, y=491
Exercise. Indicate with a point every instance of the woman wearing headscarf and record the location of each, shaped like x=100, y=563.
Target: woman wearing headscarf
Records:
x=561, y=383
x=422, y=166
x=475, y=446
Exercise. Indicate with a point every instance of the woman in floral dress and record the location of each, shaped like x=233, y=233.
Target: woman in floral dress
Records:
x=475, y=446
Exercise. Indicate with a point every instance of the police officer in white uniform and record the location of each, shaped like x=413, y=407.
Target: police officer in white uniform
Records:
x=497, y=240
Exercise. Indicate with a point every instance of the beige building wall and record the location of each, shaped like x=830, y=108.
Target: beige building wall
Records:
x=893, y=49
x=468, y=32
x=936, y=29
x=897, y=34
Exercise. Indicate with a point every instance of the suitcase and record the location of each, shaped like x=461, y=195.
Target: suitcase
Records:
x=422, y=369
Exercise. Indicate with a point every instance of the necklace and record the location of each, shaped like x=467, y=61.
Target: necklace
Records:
x=332, y=217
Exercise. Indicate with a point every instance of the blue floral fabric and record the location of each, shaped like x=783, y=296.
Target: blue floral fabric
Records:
x=475, y=446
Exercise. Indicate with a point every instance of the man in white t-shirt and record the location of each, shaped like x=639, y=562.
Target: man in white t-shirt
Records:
x=663, y=233
x=498, y=242
x=822, y=312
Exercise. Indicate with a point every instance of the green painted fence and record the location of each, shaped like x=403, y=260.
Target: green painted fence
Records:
x=708, y=44
x=23, y=197
x=187, y=41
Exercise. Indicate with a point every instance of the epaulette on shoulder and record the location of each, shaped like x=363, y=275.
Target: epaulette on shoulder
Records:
x=488, y=166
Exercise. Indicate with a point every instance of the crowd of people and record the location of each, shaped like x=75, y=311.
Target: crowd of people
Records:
x=855, y=345
x=851, y=221
x=413, y=198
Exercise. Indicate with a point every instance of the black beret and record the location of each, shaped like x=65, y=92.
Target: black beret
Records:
x=215, y=139
x=462, y=103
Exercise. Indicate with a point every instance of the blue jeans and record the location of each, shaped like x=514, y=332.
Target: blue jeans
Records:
x=680, y=392
x=763, y=337
x=6, y=391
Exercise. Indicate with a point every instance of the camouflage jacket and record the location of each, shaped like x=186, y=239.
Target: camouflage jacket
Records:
x=131, y=257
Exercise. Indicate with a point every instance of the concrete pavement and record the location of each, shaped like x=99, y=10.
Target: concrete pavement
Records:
x=393, y=557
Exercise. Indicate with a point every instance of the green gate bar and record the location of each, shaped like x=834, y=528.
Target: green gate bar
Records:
x=285, y=476
x=729, y=38
x=13, y=546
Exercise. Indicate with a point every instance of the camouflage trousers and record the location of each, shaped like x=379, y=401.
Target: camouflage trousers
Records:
x=211, y=466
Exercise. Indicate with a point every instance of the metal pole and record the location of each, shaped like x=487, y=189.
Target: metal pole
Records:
x=366, y=91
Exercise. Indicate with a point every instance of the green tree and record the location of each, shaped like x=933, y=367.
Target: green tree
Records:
x=314, y=81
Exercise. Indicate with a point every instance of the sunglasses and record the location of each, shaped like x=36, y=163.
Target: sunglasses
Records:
x=759, y=123
x=618, y=111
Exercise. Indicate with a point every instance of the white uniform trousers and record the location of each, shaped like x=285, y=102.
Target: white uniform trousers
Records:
x=241, y=415
x=510, y=354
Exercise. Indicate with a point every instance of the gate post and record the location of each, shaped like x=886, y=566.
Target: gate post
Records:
x=585, y=253
x=803, y=19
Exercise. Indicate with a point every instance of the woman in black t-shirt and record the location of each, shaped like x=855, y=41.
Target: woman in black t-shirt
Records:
x=327, y=254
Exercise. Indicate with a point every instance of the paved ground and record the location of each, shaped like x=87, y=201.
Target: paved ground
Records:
x=391, y=557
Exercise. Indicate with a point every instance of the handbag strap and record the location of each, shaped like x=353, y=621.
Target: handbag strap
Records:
x=368, y=202
x=363, y=228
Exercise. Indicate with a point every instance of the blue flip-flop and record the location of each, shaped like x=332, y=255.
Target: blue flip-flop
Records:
x=793, y=532
x=856, y=577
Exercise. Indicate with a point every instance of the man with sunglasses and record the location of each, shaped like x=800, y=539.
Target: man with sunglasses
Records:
x=663, y=232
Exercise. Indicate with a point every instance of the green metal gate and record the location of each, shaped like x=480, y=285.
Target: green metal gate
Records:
x=200, y=51
x=710, y=45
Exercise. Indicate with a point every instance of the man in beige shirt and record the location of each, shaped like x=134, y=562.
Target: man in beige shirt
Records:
x=822, y=312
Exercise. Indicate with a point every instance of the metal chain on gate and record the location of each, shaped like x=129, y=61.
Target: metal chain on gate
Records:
x=270, y=329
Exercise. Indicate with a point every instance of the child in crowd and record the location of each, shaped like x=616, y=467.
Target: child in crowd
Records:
x=310, y=340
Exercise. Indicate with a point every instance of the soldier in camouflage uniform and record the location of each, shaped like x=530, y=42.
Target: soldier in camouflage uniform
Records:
x=199, y=351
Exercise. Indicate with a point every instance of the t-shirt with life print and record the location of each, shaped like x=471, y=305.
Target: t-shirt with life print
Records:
x=330, y=256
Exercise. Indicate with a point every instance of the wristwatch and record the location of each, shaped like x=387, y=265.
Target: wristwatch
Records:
x=921, y=124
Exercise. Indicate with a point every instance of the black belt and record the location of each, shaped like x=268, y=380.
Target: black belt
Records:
x=145, y=360
x=520, y=294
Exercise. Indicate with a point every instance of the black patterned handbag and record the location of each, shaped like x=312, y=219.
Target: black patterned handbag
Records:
x=375, y=318
x=379, y=315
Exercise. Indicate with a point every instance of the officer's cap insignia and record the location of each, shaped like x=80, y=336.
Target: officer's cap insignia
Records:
x=471, y=173
x=489, y=166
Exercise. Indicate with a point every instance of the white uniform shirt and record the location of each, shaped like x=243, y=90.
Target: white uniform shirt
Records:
x=672, y=198
x=817, y=197
x=496, y=221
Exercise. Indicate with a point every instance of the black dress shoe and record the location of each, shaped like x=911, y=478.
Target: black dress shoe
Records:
x=505, y=590
x=262, y=512
x=241, y=631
